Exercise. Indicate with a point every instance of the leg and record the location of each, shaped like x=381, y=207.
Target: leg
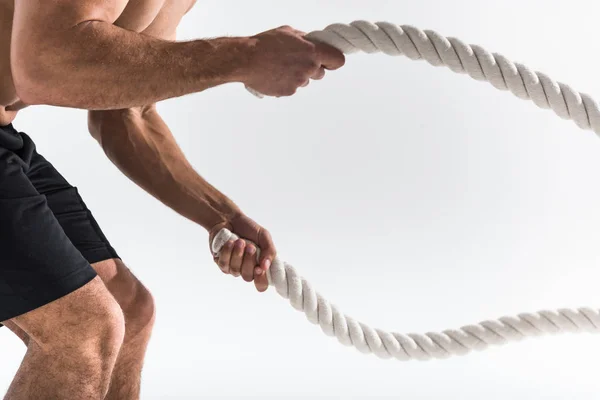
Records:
x=49, y=291
x=137, y=305
x=134, y=299
x=73, y=346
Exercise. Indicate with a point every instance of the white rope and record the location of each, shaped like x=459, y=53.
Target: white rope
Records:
x=481, y=65
x=478, y=63
x=303, y=297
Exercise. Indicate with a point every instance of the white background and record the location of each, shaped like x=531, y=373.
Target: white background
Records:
x=414, y=198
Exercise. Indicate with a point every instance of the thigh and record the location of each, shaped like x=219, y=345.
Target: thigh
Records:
x=38, y=262
x=70, y=211
x=134, y=299
x=84, y=232
x=83, y=312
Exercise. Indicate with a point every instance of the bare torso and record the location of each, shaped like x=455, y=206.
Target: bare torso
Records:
x=152, y=17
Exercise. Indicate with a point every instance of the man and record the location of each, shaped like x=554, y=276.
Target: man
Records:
x=86, y=320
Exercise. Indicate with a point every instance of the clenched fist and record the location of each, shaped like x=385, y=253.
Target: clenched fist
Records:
x=281, y=60
x=238, y=258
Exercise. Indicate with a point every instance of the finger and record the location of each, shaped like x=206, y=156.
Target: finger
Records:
x=235, y=265
x=249, y=263
x=261, y=282
x=299, y=33
x=268, y=251
x=225, y=256
x=216, y=260
x=293, y=30
x=305, y=84
x=330, y=57
x=320, y=74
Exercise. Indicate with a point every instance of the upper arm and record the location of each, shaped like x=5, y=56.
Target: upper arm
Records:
x=40, y=28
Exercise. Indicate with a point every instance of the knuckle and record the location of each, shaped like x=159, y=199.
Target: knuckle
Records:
x=289, y=91
x=300, y=76
x=312, y=47
x=313, y=64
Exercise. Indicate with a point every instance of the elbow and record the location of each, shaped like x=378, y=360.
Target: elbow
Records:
x=101, y=121
x=42, y=65
x=47, y=68
x=26, y=82
x=34, y=77
x=30, y=95
x=94, y=122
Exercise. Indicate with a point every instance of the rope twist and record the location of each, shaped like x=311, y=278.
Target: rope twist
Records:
x=479, y=64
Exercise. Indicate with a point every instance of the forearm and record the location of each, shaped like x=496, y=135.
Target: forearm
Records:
x=143, y=148
x=99, y=66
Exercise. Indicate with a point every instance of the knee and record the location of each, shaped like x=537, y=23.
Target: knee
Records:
x=111, y=328
x=101, y=332
x=135, y=300
x=140, y=310
x=92, y=347
x=98, y=331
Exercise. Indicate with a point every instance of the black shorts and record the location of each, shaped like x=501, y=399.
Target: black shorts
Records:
x=48, y=237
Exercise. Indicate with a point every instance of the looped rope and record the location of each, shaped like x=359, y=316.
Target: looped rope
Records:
x=481, y=65
x=478, y=63
x=303, y=297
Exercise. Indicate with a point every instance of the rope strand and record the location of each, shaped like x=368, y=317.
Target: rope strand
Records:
x=481, y=65
x=349, y=332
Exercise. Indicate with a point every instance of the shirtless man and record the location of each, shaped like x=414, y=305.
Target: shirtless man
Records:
x=85, y=319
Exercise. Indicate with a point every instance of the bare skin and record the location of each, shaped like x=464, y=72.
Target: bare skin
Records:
x=117, y=58
x=132, y=303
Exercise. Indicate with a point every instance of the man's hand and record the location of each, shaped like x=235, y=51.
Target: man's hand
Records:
x=237, y=258
x=281, y=61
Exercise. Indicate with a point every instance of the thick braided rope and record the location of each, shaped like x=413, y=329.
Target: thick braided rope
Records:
x=481, y=65
x=303, y=297
x=462, y=58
